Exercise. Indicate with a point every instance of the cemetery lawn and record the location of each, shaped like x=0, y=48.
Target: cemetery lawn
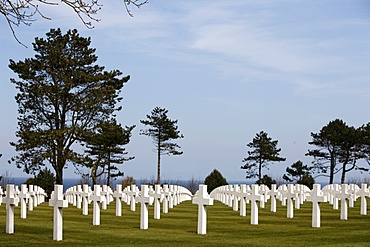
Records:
x=178, y=228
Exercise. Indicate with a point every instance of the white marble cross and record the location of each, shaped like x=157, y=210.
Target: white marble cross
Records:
x=243, y=193
x=363, y=193
x=203, y=200
x=10, y=200
x=78, y=193
x=236, y=197
x=23, y=196
x=85, y=195
x=145, y=200
x=31, y=197
x=166, y=194
x=158, y=197
x=170, y=196
x=316, y=196
x=334, y=191
x=133, y=193
x=343, y=195
x=273, y=193
x=289, y=194
x=118, y=194
x=263, y=189
x=96, y=197
x=105, y=193
x=57, y=201
x=254, y=197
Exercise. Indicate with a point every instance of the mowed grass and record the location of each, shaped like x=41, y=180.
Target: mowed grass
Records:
x=178, y=228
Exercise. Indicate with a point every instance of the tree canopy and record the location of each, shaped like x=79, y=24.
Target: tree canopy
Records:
x=105, y=147
x=214, y=180
x=62, y=95
x=45, y=179
x=162, y=130
x=338, y=148
x=264, y=150
x=300, y=174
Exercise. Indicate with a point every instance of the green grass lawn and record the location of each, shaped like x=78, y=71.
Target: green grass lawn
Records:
x=178, y=228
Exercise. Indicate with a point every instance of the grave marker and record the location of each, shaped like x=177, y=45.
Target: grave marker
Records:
x=343, y=195
x=289, y=194
x=158, y=197
x=118, y=194
x=203, y=200
x=363, y=193
x=145, y=200
x=96, y=198
x=23, y=196
x=57, y=201
x=254, y=197
x=316, y=196
x=10, y=200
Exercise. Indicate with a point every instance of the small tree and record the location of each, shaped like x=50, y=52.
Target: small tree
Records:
x=193, y=185
x=214, y=180
x=162, y=130
x=300, y=174
x=45, y=179
x=6, y=178
x=266, y=180
x=127, y=181
x=105, y=148
x=264, y=151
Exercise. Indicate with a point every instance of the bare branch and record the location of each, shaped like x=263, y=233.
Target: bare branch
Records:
x=24, y=12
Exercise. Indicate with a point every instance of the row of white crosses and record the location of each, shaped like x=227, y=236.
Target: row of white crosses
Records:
x=290, y=194
x=35, y=195
x=169, y=195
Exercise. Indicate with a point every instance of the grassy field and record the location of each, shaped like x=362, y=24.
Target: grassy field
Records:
x=178, y=228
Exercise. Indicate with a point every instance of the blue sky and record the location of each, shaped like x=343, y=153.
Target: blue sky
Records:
x=225, y=69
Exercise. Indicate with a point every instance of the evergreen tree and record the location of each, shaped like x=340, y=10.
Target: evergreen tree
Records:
x=266, y=180
x=105, y=148
x=264, y=151
x=300, y=174
x=62, y=95
x=339, y=147
x=162, y=130
x=45, y=179
x=214, y=180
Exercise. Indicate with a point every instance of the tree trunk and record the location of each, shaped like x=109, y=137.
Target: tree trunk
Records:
x=332, y=167
x=159, y=166
x=93, y=175
x=59, y=175
x=108, y=172
x=343, y=178
x=260, y=173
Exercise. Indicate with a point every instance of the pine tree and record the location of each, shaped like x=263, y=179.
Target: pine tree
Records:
x=162, y=130
x=264, y=151
x=62, y=94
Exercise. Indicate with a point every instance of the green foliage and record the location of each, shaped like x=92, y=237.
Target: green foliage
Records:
x=339, y=147
x=300, y=174
x=105, y=148
x=266, y=180
x=264, y=151
x=45, y=179
x=62, y=94
x=214, y=180
x=162, y=130
x=127, y=181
